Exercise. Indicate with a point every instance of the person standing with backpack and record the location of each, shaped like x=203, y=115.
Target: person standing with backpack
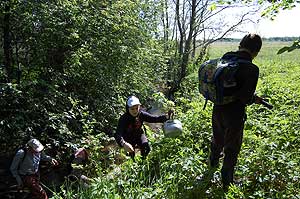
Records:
x=130, y=133
x=228, y=119
x=25, y=167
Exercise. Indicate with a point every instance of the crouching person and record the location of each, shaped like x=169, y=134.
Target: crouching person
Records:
x=25, y=167
x=130, y=133
x=78, y=161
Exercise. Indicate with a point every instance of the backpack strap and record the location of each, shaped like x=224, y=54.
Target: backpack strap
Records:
x=244, y=61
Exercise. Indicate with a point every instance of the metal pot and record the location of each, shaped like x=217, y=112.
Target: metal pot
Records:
x=172, y=128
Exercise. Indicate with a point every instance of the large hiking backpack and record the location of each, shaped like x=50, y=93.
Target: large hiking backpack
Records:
x=215, y=75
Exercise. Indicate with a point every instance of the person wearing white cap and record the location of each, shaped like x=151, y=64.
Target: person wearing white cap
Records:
x=25, y=167
x=130, y=134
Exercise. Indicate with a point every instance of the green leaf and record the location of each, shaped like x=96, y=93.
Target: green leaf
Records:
x=282, y=50
x=213, y=7
x=296, y=45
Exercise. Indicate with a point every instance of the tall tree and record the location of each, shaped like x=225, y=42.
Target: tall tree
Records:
x=91, y=53
x=197, y=24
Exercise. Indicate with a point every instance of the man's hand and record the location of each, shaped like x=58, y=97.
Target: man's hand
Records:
x=171, y=113
x=258, y=100
x=128, y=147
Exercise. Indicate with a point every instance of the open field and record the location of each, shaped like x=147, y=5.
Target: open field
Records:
x=268, y=49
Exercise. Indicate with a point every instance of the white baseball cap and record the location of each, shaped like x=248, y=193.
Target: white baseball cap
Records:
x=35, y=145
x=133, y=101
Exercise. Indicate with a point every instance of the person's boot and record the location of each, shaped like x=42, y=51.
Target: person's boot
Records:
x=131, y=154
x=145, y=150
x=227, y=178
x=213, y=163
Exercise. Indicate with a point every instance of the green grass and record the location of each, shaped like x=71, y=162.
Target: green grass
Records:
x=269, y=162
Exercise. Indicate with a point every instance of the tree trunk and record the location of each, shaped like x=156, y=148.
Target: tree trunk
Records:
x=181, y=30
x=184, y=48
x=165, y=20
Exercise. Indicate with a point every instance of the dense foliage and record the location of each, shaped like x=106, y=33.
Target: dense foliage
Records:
x=69, y=71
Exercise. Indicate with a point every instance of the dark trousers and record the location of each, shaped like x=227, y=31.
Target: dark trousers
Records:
x=141, y=143
x=228, y=124
x=33, y=183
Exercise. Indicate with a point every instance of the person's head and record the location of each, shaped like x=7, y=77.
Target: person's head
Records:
x=35, y=145
x=81, y=156
x=133, y=105
x=251, y=43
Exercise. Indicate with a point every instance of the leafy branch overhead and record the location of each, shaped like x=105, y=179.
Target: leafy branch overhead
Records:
x=294, y=46
x=275, y=6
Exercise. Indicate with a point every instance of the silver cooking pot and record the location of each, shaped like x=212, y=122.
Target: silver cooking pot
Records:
x=172, y=128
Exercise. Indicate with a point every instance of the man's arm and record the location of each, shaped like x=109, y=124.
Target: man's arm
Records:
x=119, y=136
x=45, y=157
x=249, y=80
x=147, y=117
x=120, y=131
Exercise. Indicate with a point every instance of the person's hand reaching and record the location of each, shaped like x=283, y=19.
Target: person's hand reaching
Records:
x=170, y=113
x=128, y=147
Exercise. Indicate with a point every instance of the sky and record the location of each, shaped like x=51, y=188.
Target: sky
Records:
x=286, y=24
